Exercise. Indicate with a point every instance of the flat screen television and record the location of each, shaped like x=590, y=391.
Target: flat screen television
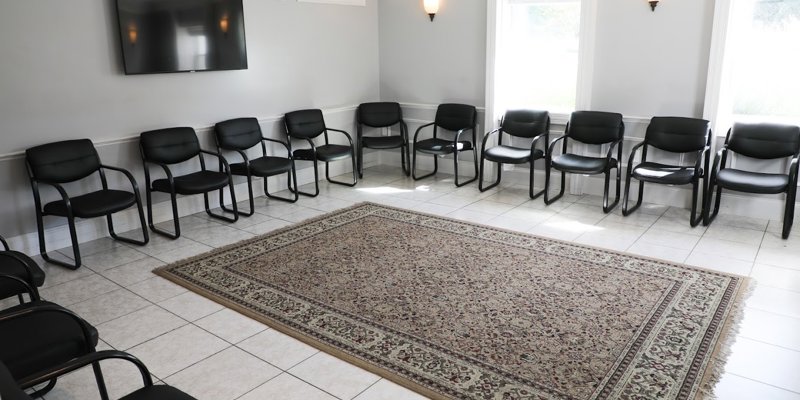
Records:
x=181, y=35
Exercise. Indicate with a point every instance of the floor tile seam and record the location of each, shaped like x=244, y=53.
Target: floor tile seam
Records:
x=763, y=383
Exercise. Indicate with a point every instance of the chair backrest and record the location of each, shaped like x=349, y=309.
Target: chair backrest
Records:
x=678, y=134
x=764, y=141
x=9, y=390
x=595, y=127
x=304, y=124
x=170, y=145
x=525, y=123
x=455, y=117
x=238, y=134
x=379, y=115
x=65, y=161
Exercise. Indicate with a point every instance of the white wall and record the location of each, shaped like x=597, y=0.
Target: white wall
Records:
x=61, y=78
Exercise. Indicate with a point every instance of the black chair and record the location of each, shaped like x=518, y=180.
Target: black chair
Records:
x=526, y=124
x=54, y=164
x=675, y=135
x=10, y=390
x=164, y=147
x=38, y=336
x=18, y=265
x=458, y=118
x=594, y=128
x=307, y=125
x=760, y=141
x=242, y=134
x=382, y=115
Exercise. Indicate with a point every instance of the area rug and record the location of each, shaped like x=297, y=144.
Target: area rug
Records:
x=455, y=310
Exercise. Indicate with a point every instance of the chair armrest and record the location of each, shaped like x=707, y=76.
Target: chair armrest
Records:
x=39, y=308
x=349, y=138
x=222, y=160
x=28, y=287
x=127, y=174
x=5, y=244
x=458, y=136
x=59, y=188
x=28, y=272
x=717, y=160
x=700, y=156
x=552, y=146
x=92, y=358
x=286, y=145
x=486, y=138
x=166, y=169
x=793, y=169
x=416, y=134
x=633, y=154
x=536, y=140
x=611, y=149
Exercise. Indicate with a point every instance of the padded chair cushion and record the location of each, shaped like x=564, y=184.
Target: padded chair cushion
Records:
x=454, y=117
x=764, y=141
x=752, y=182
x=511, y=155
x=263, y=166
x=158, y=392
x=525, y=123
x=304, y=124
x=662, y=173
x=94, y=204
x=238, y=134
x=194, y=183
x=64, y=161
x=677, y=134
x=382, y=142
x=581, y=164
x=32, y=343
x=12, y=266
x=378, y=115
x=170, y=145
x=328, y=152
x=595, y=127
x=440, y=146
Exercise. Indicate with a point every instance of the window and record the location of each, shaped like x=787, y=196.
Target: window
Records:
x=758, y=63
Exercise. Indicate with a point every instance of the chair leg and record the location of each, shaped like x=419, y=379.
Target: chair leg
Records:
x=101, y=383
x=788, y=214
x=355, y=175
x=480, y=176
x=608, y=207
x=625, y=209
x=316, y=183
x=414, y=167
x=76, y=251
x=251, y=199
x=547, y=199
x=711, y=214
x=405, y=159
x=145, y=235
x=531, y=193
x=223, y=217
x=695, y=219
x=455, y=166
x=360, y=160
x=175, y=220
x=51, y=384
x=289, y=177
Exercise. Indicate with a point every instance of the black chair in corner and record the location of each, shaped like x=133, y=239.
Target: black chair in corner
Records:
x=308, y=125
x=241, y=134
x=20, y=266
x=165, y=147
x=458, y=118
x=523, y=124
x=675, y=135
x=593, y=128
x=38, y=336
x=760, y=141
x=9, y=389
x=55, y=164
x=382, y=115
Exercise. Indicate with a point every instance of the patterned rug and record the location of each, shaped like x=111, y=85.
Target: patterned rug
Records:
x=457, y=310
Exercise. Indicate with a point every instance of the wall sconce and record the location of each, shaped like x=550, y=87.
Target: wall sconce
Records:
x=223, y=24
x=431, y=7
x=133, y=33
x=653, y=4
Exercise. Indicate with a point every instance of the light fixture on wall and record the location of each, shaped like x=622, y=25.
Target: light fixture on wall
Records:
x=133, y=33
x=653, y=4
x=431, y=7
x=223, y=24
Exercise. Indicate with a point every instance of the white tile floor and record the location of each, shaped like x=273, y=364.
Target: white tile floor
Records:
x=216, y=354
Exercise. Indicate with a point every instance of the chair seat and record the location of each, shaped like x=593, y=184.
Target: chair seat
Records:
x=752, y=182
x=157, y=392
x=194, y=183
x=440, y=146
x=11, y=266
x=94, y=204
x=263, y=166
x=41, y=340
x=511, y=155
x=382, y=142
x=576, y=164
x=328, y=152
x=663, y=173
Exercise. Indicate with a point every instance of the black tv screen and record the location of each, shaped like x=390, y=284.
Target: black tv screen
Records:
x=181, y=35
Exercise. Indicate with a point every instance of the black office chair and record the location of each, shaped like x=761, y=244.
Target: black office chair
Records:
x=38, y=336
x=164, y=147
x=308, y=125
x=19, y=265
x=761, y=141
x=242, y=134
x=589, y=127
x=382, y=115
x=525, y=124
x=54, y=164
x=676, y=135
x=458, y=118
x=9, y=389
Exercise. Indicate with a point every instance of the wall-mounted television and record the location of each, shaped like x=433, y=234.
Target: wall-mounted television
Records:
x=160, y=36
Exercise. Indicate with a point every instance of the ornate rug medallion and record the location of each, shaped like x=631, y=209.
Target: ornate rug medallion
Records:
x=458, y=310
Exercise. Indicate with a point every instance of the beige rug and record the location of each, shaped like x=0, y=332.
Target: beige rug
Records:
x=457, y=310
